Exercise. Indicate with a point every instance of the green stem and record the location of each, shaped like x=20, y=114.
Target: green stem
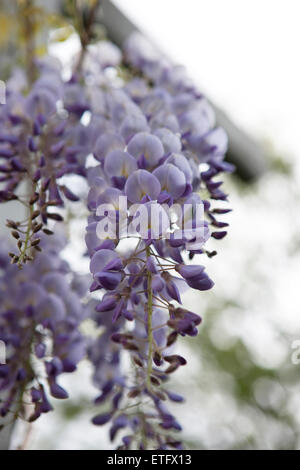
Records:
x=149, y=323
x=28, y=234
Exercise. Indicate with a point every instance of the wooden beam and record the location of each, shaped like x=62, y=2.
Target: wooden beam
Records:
x=244, y=151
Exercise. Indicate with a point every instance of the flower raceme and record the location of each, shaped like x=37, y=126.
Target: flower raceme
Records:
x=146, y=214
x=42, y=140
x=40, y=315
x=147, y=145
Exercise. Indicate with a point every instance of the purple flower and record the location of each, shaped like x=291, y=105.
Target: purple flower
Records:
x=146, y=148
x=107, y=143
x=171, y=142
x=184, y=322
x=45, y=312
x=142, y=183
x=172, y=179
x=143, y=139
x=101, y=260
x=118, y=166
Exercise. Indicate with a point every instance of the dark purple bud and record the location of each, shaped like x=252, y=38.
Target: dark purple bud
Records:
x=21, y=374
x=10, y=138
x=118, y=311
x=69, y=194
x=218, y=235
x=7, y=196
x=119, y=422
x=106, y=389
x=35, y=415
x=211, y=185
x=175, y=358
x=128, y=315
x=206, y=205
x=175, y=397
x=5, y=169
x=55, y=149
x=157, y=358
x=108, y=280
x=6, y=153
x=182, y=313
x=17, y=164
x=202, y=282
x=57, y=391
x=54, y=367
x=169, y=422
x=41, y=119
x=173, y=291
x=219, y=224
x=116, y=400
x=138, y=361
x=172, y=337
x=4, y=370
x=189, y=271
x=37, y=128
x=184, y=322
x=117, y=337
x=94, y=286
x=164, y=197
x=101, y=419
x=121, y=338
x=221, y=211
x=15, y=119
x=31, y=144
x=107, y=303
x=45, y=184
x=45, y=406
x=157, y=283
x=36, y=176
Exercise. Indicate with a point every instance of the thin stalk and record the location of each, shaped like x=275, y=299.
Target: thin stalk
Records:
x=85, y=31
x=27, y=239
x=25, y=247
x=149, y=323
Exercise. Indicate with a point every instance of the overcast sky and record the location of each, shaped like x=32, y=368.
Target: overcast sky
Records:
x=244, y=55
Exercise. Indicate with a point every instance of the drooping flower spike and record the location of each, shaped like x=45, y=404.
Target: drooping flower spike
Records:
x=42, y=140
x=160, y=135
x=40, y=315
x=149, y=149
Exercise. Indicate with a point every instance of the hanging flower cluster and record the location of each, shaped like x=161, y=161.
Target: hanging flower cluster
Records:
x=178, y=105
x=137, y=130
x=157, y=134
x=42, y=139
x=40, y=314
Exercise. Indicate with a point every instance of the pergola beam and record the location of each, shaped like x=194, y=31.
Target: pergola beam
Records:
x=244, y=151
